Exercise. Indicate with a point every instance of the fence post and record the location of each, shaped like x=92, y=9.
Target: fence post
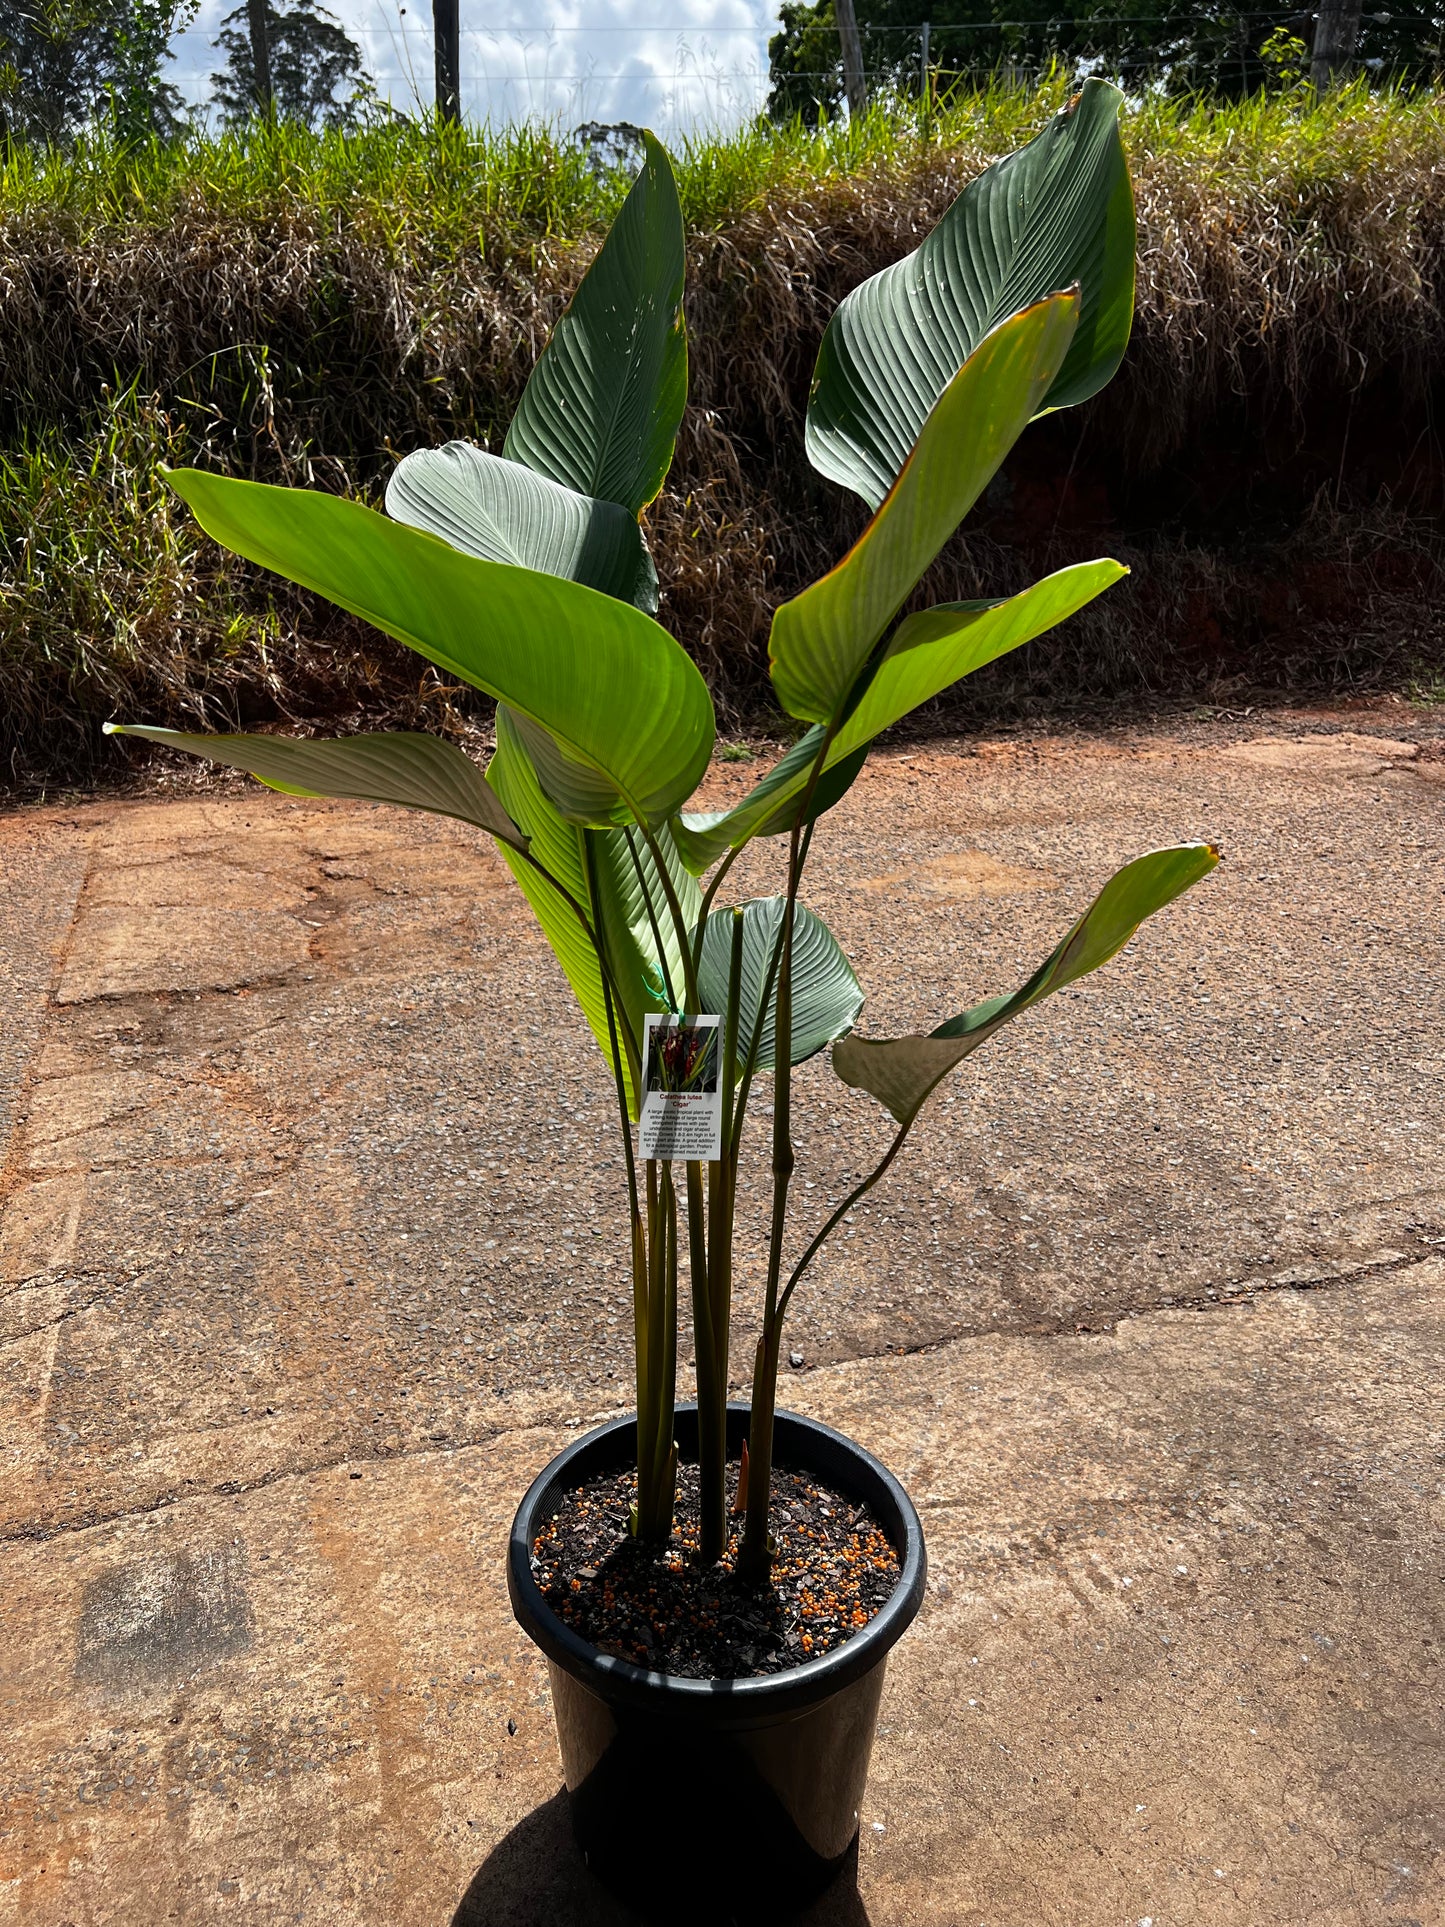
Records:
x=1337, y=28
x=853, y=80
x=447, y=29
x=256, y=11
x=925, y=90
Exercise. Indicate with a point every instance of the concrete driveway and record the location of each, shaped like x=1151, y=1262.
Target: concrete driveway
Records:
x=310, y=1257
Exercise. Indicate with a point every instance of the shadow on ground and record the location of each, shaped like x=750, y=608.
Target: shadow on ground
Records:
x=535, y=1877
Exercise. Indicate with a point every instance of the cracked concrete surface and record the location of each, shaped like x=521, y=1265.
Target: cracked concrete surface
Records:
x=309, y=1257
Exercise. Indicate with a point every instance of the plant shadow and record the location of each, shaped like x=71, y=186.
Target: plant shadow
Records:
x=535, y=1877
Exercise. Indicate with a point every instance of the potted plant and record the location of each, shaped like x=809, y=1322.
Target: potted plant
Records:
x=717, y=1658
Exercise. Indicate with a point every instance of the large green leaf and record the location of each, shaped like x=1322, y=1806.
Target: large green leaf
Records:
x=577, y=857
x=1057, y=213
x=822, y=639
x=901, y=1072
x=926, y=655
x=826, y=994
x=601, y=410
x=498, y=510
x=613, y=689
x=771, y=807
x=579, y=792
x=937, y=647
x=413, y=771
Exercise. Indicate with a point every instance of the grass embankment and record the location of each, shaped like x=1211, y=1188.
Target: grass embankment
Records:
x=307, y=308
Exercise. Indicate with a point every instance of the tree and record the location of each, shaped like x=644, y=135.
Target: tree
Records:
x=1213, y=48
x=317, y=76
x=141, y=103
x=68, y=64
x=609, y=145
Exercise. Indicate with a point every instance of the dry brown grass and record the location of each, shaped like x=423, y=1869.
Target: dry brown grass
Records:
x=1286, y=359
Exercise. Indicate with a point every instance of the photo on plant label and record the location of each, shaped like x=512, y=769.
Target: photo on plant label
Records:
x=682, y=1056
x=681, y=1111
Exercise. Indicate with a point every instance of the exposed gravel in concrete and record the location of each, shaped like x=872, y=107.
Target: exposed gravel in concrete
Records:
x=310, y=1172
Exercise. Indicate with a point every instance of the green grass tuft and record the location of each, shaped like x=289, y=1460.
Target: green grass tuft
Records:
x=449, y=185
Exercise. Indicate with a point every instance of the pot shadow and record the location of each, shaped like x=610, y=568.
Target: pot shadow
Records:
x=535, y=1877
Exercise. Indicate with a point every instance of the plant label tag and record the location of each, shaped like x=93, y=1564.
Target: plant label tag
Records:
x=681, y=1092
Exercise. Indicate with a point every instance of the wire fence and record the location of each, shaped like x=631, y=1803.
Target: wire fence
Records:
x=678, y=77
x=673, y=76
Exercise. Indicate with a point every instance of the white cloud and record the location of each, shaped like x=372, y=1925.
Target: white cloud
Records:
x=673, y=65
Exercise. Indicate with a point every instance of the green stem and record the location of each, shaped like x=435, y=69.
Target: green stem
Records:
x=679, y=921
x=592, y=936
x=656, y=1452
x=667, y=1403
x=847, y=1205
x=755, y=1558
x=708, y=898
x=624, y=1120
x=644, y=1353
x=745, y=1082
x=750, y=1062
x=649, y=1373
x=712, y=1293
x=652, y=920
x=700, y=1225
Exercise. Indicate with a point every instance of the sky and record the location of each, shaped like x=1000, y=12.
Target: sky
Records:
x=672, y=65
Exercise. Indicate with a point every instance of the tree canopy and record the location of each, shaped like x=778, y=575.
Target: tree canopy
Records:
x=317, y=75
x=67, y=64
x=1213, y=48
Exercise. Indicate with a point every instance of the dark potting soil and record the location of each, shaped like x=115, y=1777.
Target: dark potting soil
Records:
x=659, y=1607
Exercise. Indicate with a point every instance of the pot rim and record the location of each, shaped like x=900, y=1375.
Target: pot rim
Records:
x=764, y=1697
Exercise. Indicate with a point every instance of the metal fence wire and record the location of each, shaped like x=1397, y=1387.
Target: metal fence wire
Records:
x=677, y=75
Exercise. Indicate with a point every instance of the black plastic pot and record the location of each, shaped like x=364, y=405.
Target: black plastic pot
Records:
x=718, y=1800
